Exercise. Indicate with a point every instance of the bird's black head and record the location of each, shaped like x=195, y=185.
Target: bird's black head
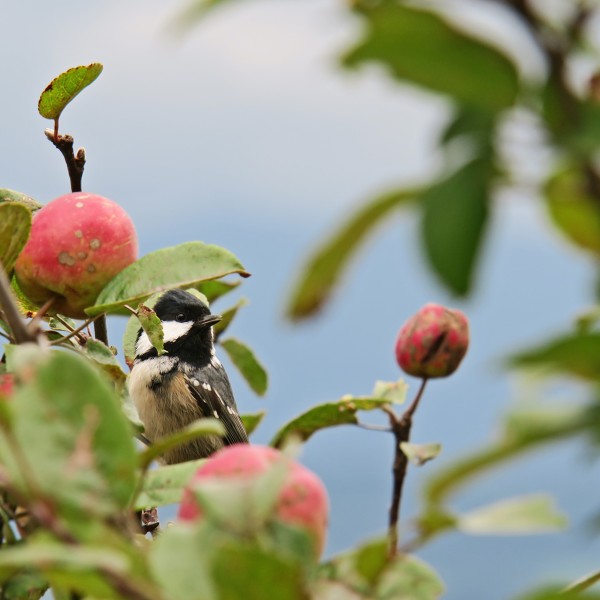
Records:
x=187, y=328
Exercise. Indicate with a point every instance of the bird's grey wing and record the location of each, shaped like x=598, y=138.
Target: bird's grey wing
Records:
x=212, y=404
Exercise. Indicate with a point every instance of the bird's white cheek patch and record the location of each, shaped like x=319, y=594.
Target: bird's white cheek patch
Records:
x=174, y=330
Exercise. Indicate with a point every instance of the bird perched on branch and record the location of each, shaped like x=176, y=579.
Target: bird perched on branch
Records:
x=187, y=382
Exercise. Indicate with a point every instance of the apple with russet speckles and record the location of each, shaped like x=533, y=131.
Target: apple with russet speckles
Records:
x=78, y=243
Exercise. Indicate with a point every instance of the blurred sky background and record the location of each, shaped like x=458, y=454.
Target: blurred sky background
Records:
x=246, y=134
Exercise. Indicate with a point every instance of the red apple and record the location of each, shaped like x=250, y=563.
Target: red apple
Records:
x=302, y=499
x=433, y=342
x=78, y=243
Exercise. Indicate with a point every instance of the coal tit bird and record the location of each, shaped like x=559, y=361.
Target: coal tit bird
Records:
x=186, y=383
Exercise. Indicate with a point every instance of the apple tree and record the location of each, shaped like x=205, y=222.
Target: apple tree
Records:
x=79, y=500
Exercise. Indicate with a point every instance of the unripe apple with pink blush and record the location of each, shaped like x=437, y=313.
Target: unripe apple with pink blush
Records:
x=433, y=342
x=78, y=243
x=302, y=500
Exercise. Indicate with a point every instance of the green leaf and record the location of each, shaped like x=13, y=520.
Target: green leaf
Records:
x=227, y=317
x=183, y=266
x=215, y=289
x=61, y=90
x=7, y=195
x=24, y=585
x=15, y=225
x=46, y=555
x=392, y=391
x=573, y=210
x=164, y=485
x=201, y=562
x=152, y=325
x=470, y=124
x=517, y=516
x=555, y=592
x=200, y=428
x=419, y=454
x=245, y=570
x=180, y=561
x=584, y=583
x=103, y=357
x=247, y=364
x=23, y=303
x=454, y=219
x=325, y=267
x=420, y=47
x=366, y=573
x=68, y=427
x=330, y=414
x=575, y=354
x=252, y=421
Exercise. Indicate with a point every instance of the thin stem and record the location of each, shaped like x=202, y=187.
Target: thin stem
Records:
x=370, y=427
x=410, y=411
x=74, y=332
x=34, y=325
x=401, y=429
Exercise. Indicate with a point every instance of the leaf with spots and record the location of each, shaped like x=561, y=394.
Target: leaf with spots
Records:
x=68, y=423
x=330, y=414
x=152, y=326
x=419, y=454
x=7, y=195
x=62, y=89
x=187, y=265
x=15, y=225
x=247, y=364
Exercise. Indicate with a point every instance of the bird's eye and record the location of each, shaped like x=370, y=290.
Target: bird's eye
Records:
x=180, y=318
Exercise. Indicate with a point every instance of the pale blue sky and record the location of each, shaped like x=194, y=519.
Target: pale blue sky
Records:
x=246, y=134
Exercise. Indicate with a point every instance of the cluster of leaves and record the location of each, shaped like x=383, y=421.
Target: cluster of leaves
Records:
x=71, y=473
x=430, y=48
x=73, y=477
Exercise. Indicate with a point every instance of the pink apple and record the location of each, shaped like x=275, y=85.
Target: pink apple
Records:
x=302, y=500
x=78, y=243
x=433, y=342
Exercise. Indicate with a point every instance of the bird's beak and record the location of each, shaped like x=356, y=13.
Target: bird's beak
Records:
x=208, y=320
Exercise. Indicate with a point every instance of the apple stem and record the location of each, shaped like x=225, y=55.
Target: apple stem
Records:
x=401, y=429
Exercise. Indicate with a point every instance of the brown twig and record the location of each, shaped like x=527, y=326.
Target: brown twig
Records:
x=75, y=332
x=401, y=430
x=34, y=325
x=75, y=162
x=11, y=312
